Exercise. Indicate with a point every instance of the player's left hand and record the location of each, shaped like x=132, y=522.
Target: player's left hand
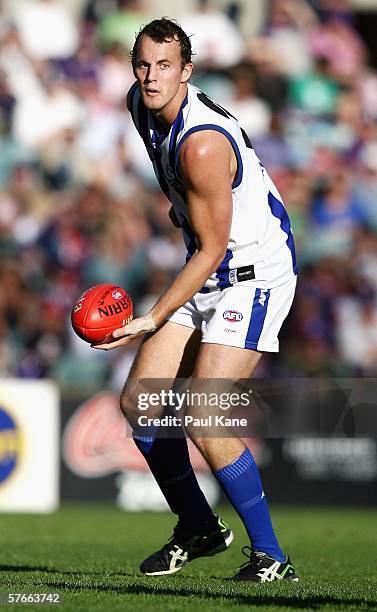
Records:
x=136, y=328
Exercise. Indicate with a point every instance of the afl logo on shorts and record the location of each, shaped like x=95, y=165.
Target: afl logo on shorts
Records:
x=10, y=445
x=233, y=316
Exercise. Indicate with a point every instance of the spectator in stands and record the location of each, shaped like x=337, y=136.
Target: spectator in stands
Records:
x=119, y=26
x=251, y=111
x=215, y=39
x=47, y=29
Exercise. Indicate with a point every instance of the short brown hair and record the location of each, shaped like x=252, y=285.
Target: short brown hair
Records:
x=165, y=30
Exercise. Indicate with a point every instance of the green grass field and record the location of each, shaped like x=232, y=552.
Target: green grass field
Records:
x=90, y=555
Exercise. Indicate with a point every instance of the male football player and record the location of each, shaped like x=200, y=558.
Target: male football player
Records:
x=240, y=254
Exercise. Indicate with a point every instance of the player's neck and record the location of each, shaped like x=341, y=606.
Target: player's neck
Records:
x=167, y=115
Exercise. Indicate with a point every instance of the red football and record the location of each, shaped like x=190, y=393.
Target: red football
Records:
x=99, y=311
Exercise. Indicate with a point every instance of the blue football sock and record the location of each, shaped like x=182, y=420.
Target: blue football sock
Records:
x=242, y=484
x=169, y=461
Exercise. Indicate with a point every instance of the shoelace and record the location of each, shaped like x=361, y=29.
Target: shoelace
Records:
x=177, y=538
x=180, y=536
x=252, y=560
x=172, y=544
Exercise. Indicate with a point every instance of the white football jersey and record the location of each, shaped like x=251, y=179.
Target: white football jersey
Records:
x=260, y=234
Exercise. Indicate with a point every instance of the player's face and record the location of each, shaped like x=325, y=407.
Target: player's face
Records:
x=161, y=78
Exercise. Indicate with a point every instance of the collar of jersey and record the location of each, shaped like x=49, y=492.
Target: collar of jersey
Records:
x=159, y=137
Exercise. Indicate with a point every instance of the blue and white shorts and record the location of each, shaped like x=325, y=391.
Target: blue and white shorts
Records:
x=242, y=315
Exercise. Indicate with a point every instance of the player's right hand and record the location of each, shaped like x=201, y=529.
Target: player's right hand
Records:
x=134, y=329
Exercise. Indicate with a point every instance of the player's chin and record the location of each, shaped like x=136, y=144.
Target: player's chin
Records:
x=153, y=102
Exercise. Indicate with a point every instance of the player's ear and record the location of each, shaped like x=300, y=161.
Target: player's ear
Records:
x=186, y=73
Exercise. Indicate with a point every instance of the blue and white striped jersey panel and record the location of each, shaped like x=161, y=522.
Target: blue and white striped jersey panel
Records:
x=260, y=232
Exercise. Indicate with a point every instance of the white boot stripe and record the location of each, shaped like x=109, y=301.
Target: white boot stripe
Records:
x=177, y=555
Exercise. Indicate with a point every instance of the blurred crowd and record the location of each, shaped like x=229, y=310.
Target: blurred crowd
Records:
x=79, y=204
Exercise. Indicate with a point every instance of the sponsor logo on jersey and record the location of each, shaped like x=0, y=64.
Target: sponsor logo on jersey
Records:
x=233, y=316
x=10, y=445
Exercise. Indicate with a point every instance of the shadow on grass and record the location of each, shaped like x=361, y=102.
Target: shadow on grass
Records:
x=229, y=592
x=47, y=570
x=189, y=587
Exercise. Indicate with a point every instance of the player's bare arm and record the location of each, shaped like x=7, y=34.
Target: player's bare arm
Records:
x=207, y=166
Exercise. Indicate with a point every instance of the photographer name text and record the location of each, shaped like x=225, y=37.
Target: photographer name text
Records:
x=188, y=420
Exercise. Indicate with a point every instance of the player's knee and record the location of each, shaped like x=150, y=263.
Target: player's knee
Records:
x=132, y=407
x=128, y=405
x=124, y=404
